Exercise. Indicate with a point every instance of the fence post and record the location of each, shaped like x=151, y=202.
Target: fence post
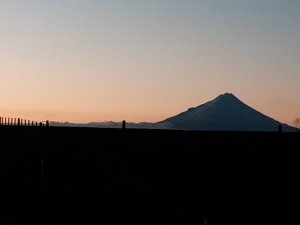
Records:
x=124, y=124
x=280, y=128
x=47, y=123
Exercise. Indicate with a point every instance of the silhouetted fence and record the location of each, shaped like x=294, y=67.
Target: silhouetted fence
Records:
x=8, y=121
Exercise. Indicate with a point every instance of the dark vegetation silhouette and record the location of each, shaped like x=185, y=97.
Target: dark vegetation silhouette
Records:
x=54, y=175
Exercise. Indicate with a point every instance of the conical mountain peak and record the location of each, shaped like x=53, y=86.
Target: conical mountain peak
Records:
x=223, y=102
x=227, y=97
x=225, y=112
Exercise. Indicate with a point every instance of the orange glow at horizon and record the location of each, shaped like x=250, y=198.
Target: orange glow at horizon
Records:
x=144, y=61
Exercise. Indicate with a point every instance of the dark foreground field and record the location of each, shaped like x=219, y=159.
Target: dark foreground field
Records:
x=108, y=176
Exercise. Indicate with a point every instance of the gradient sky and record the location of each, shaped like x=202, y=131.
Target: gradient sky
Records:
x=145, y=60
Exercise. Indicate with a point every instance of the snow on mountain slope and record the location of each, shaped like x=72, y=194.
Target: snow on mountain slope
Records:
x=224, y=113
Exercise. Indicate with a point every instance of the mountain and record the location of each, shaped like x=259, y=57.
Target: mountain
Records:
x=224, y=113
x=112, y=124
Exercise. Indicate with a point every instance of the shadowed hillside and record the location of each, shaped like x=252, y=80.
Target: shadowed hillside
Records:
x=124, y=176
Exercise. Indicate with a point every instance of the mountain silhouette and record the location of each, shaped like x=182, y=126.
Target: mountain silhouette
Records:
x=224, y=113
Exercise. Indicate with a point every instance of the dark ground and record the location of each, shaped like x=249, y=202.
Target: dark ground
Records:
x=108, y=176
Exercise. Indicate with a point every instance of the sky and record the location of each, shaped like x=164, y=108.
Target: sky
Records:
x=141, y=60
